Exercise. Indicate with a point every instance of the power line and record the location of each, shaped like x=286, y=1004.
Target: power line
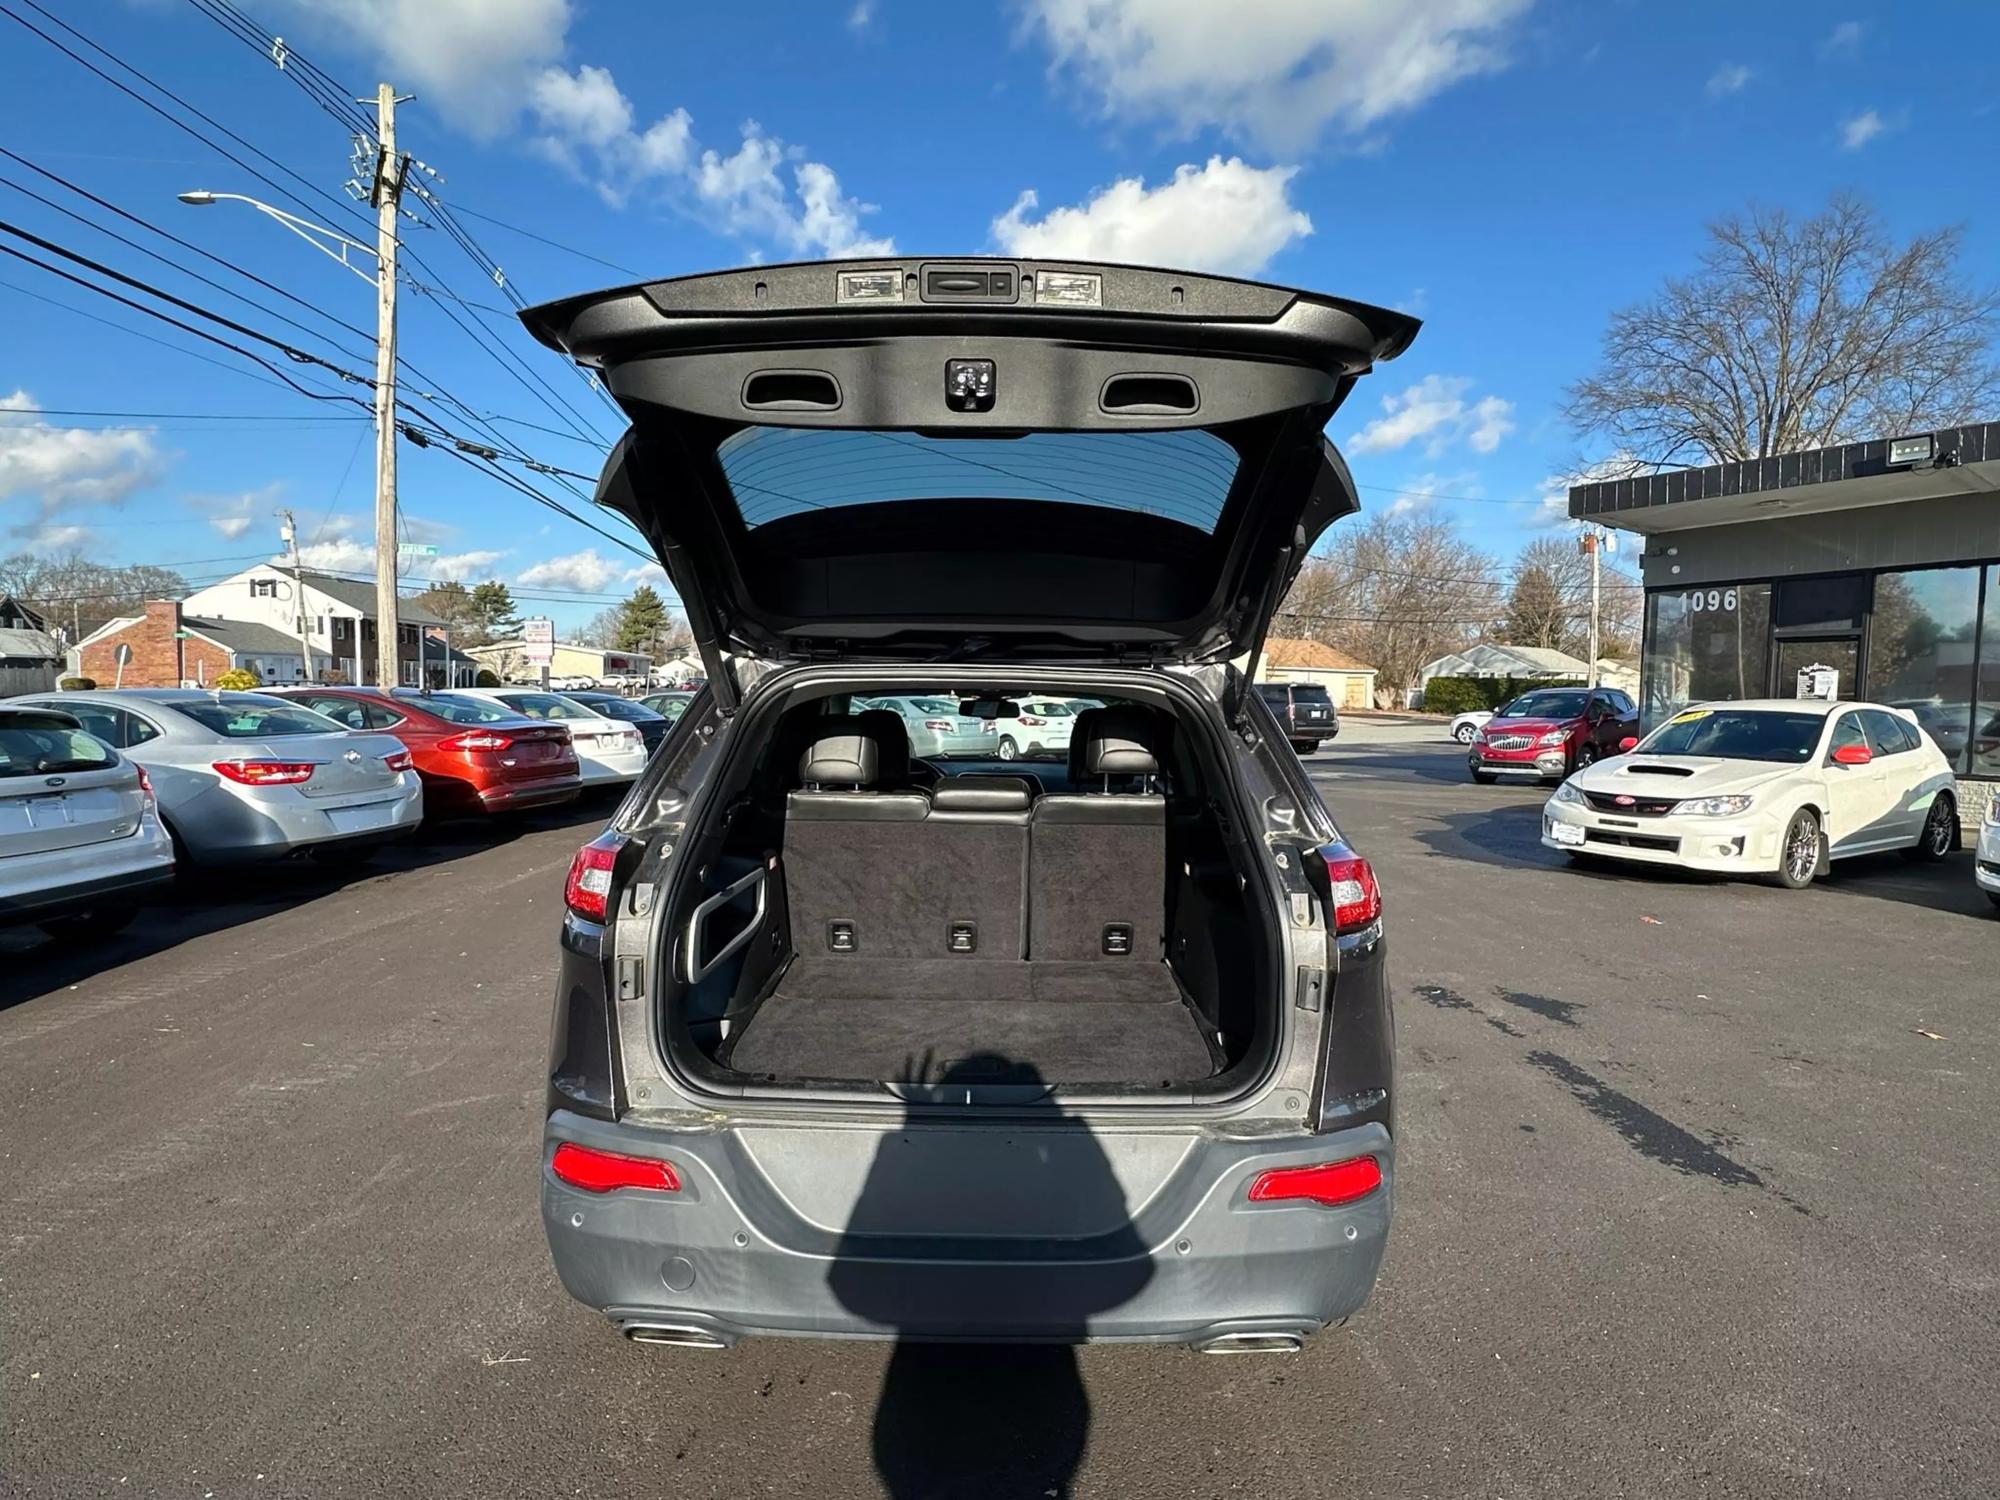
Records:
x=553, y=244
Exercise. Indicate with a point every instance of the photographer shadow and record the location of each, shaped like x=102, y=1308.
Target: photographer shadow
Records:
x=962, y=1412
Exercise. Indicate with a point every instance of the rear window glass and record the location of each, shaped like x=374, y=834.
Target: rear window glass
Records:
x=776, y=472
x=466, y=710
x=246, y=717
x=621, y=708
x=37, y=745
x=1310, y=693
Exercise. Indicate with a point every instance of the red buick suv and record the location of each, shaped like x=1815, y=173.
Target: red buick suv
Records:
x=1551, y=732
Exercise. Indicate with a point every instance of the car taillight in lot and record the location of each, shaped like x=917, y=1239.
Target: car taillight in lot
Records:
x=397, y=760
x=1329, y=1185
x=606, y=1171
x=266, y=772
x=1357, y=899
x=477, y=739
x=1038, y=723
x=146, y=789
x=587, y=892
x=943, y=725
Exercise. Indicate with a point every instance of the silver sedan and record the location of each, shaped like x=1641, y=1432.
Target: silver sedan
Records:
x=243, y=777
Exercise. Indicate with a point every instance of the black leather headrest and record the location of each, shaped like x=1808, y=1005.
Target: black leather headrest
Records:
x=845, y=759
x=892, y=743
x=982, y=794
x=1114, y=742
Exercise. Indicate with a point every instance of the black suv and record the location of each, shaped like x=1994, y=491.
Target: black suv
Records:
x=855, y=1041
x=1305, y=709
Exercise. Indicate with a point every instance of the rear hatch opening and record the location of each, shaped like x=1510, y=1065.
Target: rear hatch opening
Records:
x=856, y=919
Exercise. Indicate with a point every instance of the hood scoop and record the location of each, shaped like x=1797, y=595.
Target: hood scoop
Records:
x=1658, y=771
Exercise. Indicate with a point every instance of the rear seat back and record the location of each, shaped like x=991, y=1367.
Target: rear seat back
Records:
x=1097, y=878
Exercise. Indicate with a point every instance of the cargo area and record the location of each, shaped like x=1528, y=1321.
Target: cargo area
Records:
x=870, y=916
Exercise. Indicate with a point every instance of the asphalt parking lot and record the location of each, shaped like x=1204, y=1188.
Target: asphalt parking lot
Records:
x=1697, y=1196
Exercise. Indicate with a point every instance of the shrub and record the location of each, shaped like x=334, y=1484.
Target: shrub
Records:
x=237, y=680
x=486, y=677
x=77, y=684
x=1459, y=695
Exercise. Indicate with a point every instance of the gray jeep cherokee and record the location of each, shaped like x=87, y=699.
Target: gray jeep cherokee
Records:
x=855, y=1043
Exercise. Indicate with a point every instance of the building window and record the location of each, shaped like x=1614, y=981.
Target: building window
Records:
x=1984, y=755
x=263, y=588
x=1921, y=640
x=1704, y=644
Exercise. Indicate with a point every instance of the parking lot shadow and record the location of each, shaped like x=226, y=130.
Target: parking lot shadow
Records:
x=970, y=1419
x=1433, y=763
x=202, y=902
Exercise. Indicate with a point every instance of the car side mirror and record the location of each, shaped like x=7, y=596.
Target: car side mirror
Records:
x=1853, y=755
x=1630, y=742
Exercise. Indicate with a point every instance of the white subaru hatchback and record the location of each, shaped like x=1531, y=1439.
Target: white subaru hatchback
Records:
x=1774, y=787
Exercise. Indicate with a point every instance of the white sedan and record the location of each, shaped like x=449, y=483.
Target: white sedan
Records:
x=1465, y=728
x=1770, y=787
x=607, y=750
x=1986, y=867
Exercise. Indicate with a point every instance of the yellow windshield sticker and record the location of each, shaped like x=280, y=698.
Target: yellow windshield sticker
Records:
x=1691, y=715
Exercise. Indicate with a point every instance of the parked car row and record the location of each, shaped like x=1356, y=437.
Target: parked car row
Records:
x=1035, y=729
x=103, y=794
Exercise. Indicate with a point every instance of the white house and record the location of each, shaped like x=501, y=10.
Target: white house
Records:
x=340, y=621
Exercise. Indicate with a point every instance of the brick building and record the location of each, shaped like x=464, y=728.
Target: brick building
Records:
x=174, y=649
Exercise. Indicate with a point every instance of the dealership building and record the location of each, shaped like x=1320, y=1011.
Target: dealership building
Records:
x=1869, y=570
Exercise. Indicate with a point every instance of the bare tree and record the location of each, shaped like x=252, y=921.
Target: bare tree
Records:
x=1795, y=334
x=1395, y=591
x=77, y=595
x=1549, y=601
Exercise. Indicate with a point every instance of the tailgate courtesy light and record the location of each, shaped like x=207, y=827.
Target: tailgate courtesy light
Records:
x=1329, y=1185
x=478, y=739
x=587, y=892
x=1069, y=288
x=1357, y=899
x=266, y=772
x=607, y=1171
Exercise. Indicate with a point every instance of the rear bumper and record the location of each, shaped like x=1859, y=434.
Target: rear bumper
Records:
x=728, y=1256
x=220, y=826
x=518, y=795
x=88, y=895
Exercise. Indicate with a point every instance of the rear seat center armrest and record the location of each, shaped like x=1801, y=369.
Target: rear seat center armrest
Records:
x=989, y=794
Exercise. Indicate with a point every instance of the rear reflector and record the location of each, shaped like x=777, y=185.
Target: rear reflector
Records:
x=266, y=772
x=587, y=892
x=606, y=1171
x=1329, y=1185
x=1357, y=899
x=478, y=739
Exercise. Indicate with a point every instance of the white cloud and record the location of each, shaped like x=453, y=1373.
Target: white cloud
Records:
x=1843, y=39
x=1552, y=503
x=763, y=190
x=862, y=14
x=56, y=468
x=651, y=574
x=335, y=555
x=466, y=567
x=1421, y=492
x=54, y=536
x=1226, y=217
x=580, y=572
x=232, y=527
x=472, y=60
x=1274, y=71
x=1860, y=130
x=1436, y=411
x=232, y=516
x=1727, y=79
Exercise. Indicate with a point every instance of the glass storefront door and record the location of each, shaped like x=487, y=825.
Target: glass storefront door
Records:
x=1841, y=653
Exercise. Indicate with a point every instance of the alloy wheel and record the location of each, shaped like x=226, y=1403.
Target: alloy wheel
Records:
x=1802, y=850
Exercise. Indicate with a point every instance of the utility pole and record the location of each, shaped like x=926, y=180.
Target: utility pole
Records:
x=385, y=193
x=1590, y=547
x=290, y=532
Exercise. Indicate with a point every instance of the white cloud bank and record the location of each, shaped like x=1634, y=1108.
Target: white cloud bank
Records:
x=54, y=469
x=1226, y=216
x=1436, y=411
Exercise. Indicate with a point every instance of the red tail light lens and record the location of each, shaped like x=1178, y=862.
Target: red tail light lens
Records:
x=477, y=739
x=266, y=772
x=1329, y=1184
x=587, y=892
x=945, y=725
x=1357, y=899
x=607, y=1171
x=146, y=787
x=1037, y=723
x=397, y=760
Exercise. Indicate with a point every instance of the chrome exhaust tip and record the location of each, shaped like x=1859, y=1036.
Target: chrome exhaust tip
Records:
x=679, y=1335
x=1252, y=1343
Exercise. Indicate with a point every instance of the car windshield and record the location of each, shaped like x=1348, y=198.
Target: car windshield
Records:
x=548, y=706
x=1546, y=706
x=779, y=472
x=249, y=716
x=930, y=705
x=1738, y=734
x=458, y=710
x=40, y=745
x=622, y=708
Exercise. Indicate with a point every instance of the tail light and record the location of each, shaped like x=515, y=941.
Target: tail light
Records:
x=606, y=1171
x=397, y=760
x=478, y=739
x=944, y=726
x=146, y=789
x=266, y=772
x=1357, y=899
x=1038, y=723
x=1329, y=1185
x=587, y=892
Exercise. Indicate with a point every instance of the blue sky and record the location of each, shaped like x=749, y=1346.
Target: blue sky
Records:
x=1509, y=170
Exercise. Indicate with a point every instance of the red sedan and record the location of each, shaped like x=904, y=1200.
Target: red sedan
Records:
x=474, y=756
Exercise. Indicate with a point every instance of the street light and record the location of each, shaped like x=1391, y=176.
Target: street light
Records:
x=386, y=190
